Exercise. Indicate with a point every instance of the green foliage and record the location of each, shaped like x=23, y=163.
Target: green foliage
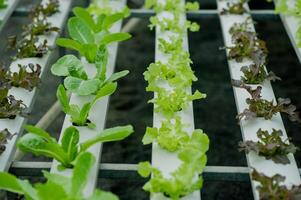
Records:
x=77, y=80
x=3, y=4
x=40, y=143
x=270, y=146
x=79, y=116
x=283, y=7
x=88, y=35
x=171, y=81
x=57, y=186
x=186, y=178
x=170, y=136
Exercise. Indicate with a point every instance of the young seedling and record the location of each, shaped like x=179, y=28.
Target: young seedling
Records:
x=79, y=116
x=45, y=9
x=270, y=188
x=235, y=8
x=10, y=107
x=271, y=146
x=187, y=177
x=57, y=187
x=28, y=77
x=39, y=26
x=170, y=136
x=248, y=45
x=256, y=74
x=89, y=35
x=259, y=107
x=40, y=143
x=5, y=135
x=28, y=47
x=77, y=80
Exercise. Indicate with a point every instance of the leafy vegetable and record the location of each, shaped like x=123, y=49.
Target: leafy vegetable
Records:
x=5, y=135
x=27, y=47
x=23, y=78
x=45, y=9
x=79, y=116
x=186, y=178
x=77, y=80
x=104, y=8
x=292, y=9
x=39, y=142
x=170, y=80
x=169, y=136
x=27, y=79
x=89, y=35
x=235, y=8
x=57, y=186
x=270, y=146
x=256, y=74
x=259, y=107
x=39, y=26
x=10, y=107
x=247, y=45
x=271, y=188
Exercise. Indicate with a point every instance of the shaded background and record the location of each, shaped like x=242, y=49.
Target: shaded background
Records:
x=215, y=115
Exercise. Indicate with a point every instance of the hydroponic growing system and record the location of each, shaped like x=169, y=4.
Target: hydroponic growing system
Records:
x=179, y=159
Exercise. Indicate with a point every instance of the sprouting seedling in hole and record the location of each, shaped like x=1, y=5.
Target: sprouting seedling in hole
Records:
x=256, y=74
x=270, y=188
x=39, y=26
x=9, y=106
x=57, y=186
x=40, y=143
x=5, y=136
x=27, y=47
x=77, y=80
x=270, y=145
x=45, y=9
x=79, y=115
x=247, y=45
x=28, y=77
x=259, y=107
x=89, y=34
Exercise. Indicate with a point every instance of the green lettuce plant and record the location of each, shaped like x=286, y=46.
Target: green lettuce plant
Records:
x=57, y=187
x=77, y=80
x=79, y=115
x=187, y=177
x=40, y=143
x=88, y=35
